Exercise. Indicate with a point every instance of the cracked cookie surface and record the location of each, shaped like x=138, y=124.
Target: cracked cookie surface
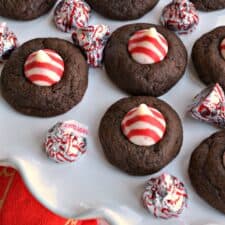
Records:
x=138, y=79
x=25, y=9
x=207, y=170
x=207, y=58
x=131, y=158
x=123, y=9
x=34, y=100
x=209, y=5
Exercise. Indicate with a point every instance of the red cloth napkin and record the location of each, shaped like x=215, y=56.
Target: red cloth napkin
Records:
x=19, y=207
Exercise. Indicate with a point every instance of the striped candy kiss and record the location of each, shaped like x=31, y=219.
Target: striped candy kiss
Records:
x=44, y=67
x=165, y=196
x=222, y=48
x=144, y=126
x=72, y=14
x=148, y=46
x=66, y=142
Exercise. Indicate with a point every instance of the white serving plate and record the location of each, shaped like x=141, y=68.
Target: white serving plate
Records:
x=92, y=187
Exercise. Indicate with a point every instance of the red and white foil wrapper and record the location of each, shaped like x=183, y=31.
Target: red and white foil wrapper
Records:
x=222, y=48
x=165, y=196
x=66, y=141
x=44, y=67
x=8, y=42
x=148, y=46
x=72, y=14
x=92, y=40
x=144, y=126
x=180, y=16
x=209, y=106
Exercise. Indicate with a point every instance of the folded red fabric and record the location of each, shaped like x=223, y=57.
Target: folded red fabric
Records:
x=18, y=206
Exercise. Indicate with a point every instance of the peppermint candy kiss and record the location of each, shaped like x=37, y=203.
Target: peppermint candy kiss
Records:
x=92, y=40
x=72, y=14
x=66, y=141
x=165, y=196
x=209, y=106
x=222, y=48
x=8, y=42
x=144, y=126
x=44, y=67
x=180, y=16
x=148, y=46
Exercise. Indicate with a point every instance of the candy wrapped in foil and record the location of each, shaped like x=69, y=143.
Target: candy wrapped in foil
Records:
x=8, y=42
x=92, y=40
x=66, y=141
x=71, y=14
x=180, y=16
x=209, y=106
x=165, y=196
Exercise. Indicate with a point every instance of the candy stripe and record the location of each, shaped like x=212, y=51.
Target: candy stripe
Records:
x=144, y=125
x=44, y=67
x=41, y=78
x=148, y=52
x=41, y=65
x=56, y=58
x=50, y=74
x=222, y=47
x=155, y=42
x=151, y=112
x=157, y=114
x=148, y=46
x=144, y=118
x=143, y=132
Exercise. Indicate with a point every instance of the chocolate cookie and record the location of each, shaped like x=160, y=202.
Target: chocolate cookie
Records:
x=209, y=5
x=35, y=100
x=129, y=157
x=207, y=57
x=123, y=9
x=25, y=9
x=149, y=79
x=207, y=170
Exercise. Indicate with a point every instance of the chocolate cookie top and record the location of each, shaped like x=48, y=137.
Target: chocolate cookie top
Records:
x=140, y=156
x=123, y=9
x=209, y=5
x=22, y=83
x=207, y=170
x=25, y=9
x=208, y=58
x=139, y=79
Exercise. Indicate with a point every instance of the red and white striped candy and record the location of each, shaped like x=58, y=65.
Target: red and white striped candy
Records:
x=72, y=14
x=148, y=46
x=222, y=48
x=144, y=126
x=165, y=196
x=180, y=16
x=66, y=142
x=44, y=67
